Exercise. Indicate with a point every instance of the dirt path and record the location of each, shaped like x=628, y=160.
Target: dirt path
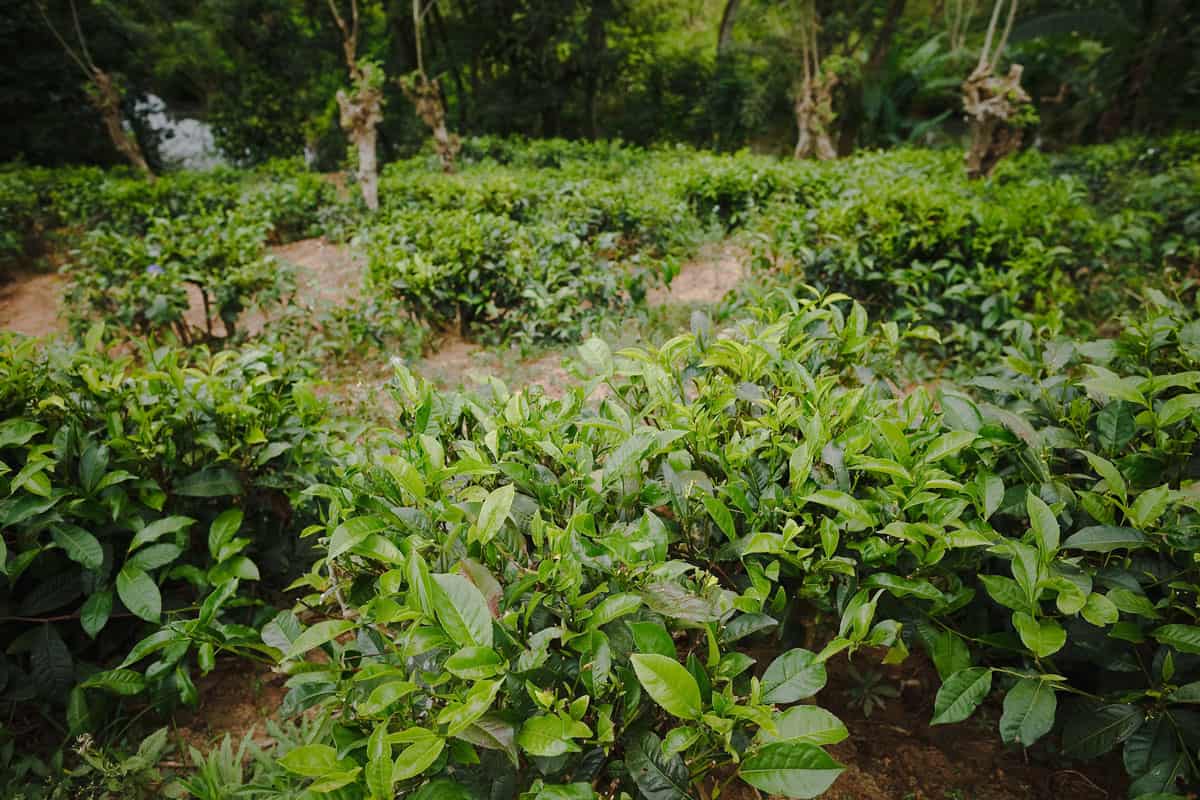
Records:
x=329, y=274
x=326, y=273
x=30, y=304
x=702, y=281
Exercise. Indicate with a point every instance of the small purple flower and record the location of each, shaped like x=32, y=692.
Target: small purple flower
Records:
x=154, y=269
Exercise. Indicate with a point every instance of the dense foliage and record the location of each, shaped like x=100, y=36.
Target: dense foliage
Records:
x=637, y=587
x=707, y=72
x=132, y=492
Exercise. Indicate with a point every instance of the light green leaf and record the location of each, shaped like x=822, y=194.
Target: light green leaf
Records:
x=811, y=724
x=1149, y=506
x=417, y=757
x=462, y=611
x=1044, y=637
x=223, y=528
x=669, y=683
x=319, y=634
x=791, y=769
x=494, y=512
x=1105, y=382
x=795, y=675
x=157, y=529
x=948, y=444
x=613, y=607
x=310, y=760
x=1045, y=526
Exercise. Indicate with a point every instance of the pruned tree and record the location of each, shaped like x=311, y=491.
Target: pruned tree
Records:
x=102, y=90
x=361, y=108
x=425, y=93
x=813, y=102
x=995, y=104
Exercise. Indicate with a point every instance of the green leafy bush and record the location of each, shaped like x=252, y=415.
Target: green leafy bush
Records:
x=131, y=493
x=146, y=284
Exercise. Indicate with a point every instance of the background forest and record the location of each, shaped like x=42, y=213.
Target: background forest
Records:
x=711, y=73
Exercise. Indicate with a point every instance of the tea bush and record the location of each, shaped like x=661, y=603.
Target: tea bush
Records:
x=145, y=284
x=541, y=596
x=141, y=497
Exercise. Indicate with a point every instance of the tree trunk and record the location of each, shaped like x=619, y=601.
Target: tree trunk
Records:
x=725, y=32
x=814, y=117
x=361, y=114
x=426, y=96
x=992, y=105
x=107, y=101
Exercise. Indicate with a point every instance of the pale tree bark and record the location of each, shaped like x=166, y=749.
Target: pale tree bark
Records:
x=425, y=93
x=361, y=108
x=993, y=102
x=958, y=22
x=102, y=92
x=813, y=104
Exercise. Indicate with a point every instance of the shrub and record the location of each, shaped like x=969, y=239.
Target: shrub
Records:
x=146, y=284
x=132, y=492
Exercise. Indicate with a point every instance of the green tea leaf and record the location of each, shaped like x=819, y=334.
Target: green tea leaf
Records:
x=223, y=528
x=1104, y=539
x=117, y=681
x=1094, y=732
x=462, y=611
x=795, y=675
x=310, y=760
x=791, y=769
x=669, y=683
x=80, y=546
x=319, y=634
x=494, y=512
x=1045, y=526
x=960, y=695
x=1044, y=637
x=803, y=723
x=1184, y=638
x=657, y=775
x=1029, y=709
x=139, y=593
x=418, y=757
x=209, y=482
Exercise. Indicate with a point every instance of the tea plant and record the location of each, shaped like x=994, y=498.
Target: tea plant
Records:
x=146, y=284
x=143, y=498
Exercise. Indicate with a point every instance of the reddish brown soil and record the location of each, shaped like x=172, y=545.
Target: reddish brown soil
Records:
x=896, y=755
x=235, y=698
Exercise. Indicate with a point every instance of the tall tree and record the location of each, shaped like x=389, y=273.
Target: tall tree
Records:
x=426, y=94
x=994, y=103
x=102, y=89
x=813, y=104
x=362, y=107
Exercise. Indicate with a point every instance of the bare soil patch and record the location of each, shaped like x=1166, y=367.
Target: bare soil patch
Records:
x=712, y=274
x=235, y=698
x=30, y=304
